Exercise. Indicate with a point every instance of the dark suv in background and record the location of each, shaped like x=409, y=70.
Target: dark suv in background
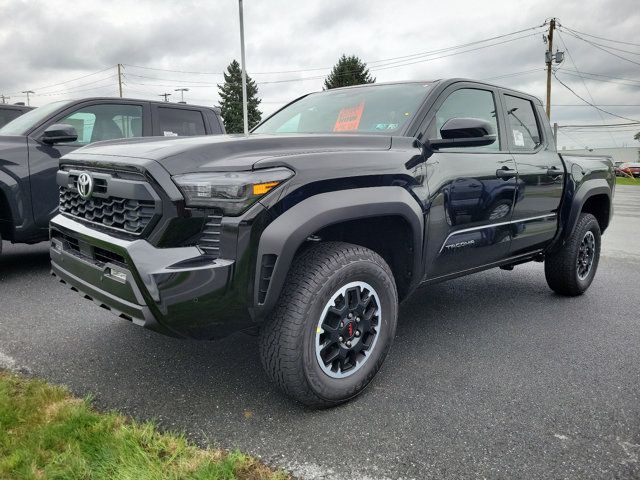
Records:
x=11, y=112
x=31, y=145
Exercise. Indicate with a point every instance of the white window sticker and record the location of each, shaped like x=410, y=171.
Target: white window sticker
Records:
x=518, y=138
x=168, y=133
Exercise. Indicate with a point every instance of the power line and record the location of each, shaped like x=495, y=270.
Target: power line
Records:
x=599, y=47
x=515, y=74
x=587, y=125
x=600, y=38
x=583, y=82
x=395, y=64
x=392, y=59
x=581, y=75
x=398, y=64
x=70, y=81
x=589, y=103
x=599, y=105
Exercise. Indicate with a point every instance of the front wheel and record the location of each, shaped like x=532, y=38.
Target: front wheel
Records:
x=571, y=270
x=333, y=326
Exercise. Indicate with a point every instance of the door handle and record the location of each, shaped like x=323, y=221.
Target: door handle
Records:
x=506, y=173
x=554, y=172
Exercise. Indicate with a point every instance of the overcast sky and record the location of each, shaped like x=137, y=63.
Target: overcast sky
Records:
x=44, y=43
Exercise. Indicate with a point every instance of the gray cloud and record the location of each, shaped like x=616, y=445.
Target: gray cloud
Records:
x=45, y=43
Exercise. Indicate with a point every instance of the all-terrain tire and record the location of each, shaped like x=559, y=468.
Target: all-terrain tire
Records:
x=289, y=339
x=562, y=269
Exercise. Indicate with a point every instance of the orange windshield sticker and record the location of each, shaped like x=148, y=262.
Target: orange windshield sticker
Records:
x=349, y=118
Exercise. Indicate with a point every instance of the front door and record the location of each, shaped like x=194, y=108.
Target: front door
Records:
x=93, y=122
x=471, y=190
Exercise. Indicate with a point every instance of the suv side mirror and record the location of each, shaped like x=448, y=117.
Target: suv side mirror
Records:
x=464, y=132
x=59, y=133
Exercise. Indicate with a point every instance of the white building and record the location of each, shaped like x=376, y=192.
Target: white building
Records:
x=622, y=154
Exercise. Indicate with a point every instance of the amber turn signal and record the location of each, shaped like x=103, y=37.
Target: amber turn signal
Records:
x=262, y=188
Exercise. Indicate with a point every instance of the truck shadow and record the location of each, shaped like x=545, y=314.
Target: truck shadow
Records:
x=23, y=259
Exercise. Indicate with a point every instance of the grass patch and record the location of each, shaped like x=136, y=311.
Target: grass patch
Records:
x=45, y=433
x=627, y=181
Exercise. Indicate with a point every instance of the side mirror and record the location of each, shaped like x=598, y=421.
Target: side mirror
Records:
x=59, y=133
x=464, y=132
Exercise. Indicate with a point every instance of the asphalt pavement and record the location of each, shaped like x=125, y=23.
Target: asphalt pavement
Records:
x=490, y=376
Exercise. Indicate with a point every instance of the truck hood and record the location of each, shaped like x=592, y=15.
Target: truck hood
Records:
x=225, y=152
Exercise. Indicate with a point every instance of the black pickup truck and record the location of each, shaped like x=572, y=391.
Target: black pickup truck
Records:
x=31, y=145
x=336, y=208
x=11, y=112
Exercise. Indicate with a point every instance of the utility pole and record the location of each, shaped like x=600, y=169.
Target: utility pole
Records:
x=120, y=79
x=245, y=111
x=29, y=92
x=549, y=60
x=181, y=90
x=166, y=96
x=555, y=133
x=4, y=98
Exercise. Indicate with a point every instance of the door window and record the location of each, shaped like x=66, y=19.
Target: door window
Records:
x=176, y=122
x=467, y=103
x=522, y=124
x=105, y=122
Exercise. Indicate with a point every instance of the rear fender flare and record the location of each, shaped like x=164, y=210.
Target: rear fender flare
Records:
x=284, y=236
x=571, y=212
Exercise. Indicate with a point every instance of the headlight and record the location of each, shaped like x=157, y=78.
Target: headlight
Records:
x=233, y=192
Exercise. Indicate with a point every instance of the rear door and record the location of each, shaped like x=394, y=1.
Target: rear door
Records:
x=94, y=121
x=540, y=173
x=471, y=189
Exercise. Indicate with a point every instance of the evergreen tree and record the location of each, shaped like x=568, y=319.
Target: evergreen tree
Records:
x=231, y=100
x=348, y=71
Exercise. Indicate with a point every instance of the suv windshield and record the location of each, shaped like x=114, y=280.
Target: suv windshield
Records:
x=24, y=123
x=379, y=109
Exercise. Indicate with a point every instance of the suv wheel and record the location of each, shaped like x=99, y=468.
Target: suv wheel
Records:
x=570, y=270
x=333, y=326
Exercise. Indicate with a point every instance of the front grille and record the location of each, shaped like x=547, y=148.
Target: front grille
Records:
x=131, y=216
x=105, y=256
x=210, y=239
x=120, y=200
x=88, y=252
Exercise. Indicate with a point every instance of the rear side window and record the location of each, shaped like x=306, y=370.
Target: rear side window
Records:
x=94, y=123
x=176, y=122
x=7, y=115
x=522, y=126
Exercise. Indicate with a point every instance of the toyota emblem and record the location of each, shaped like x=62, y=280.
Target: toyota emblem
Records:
x=85, y=185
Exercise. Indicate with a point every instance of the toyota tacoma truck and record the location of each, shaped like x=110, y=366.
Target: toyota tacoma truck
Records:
x=315, y=226
x=32, y=144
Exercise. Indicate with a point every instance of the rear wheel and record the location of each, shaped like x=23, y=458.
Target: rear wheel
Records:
x=571, y=270
x=333, y=326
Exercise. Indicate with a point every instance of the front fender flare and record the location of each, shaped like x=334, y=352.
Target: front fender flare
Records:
x=286, y=233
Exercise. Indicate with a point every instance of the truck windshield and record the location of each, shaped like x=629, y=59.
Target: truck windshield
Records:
x=379, y=109
x=24, y=123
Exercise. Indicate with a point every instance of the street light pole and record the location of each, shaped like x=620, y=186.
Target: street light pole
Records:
x=28, y=92
x=181, y=90
x=245, y=111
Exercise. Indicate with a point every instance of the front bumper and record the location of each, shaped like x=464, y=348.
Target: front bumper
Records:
x=175, y=291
